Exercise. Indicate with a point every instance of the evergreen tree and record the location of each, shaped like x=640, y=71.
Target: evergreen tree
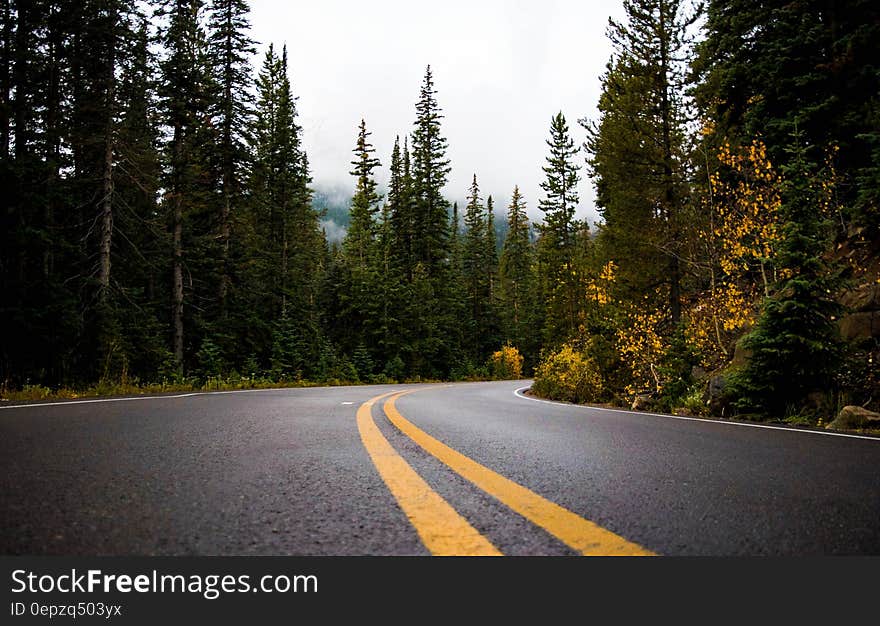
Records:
x=109, y=35
x=401, y=209
x=618, y=156
x=431, y=313
x=359, y=239
x=429, y=172
x=384, y=320
x=142, y=254
x=556, y=246
x=40, y=308
x=357, y=288
x=454, y=234
x=6, y=57
x=185, y=91
x=491, y=243
x=229, y=50
x=474, y=274
x=287, y=227
x=517, y=281
x=637, y=150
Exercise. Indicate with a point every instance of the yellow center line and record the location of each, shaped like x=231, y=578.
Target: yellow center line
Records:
x=443, y=531
x=581, y=534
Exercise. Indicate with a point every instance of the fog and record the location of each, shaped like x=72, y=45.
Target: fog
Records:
x=502, y=69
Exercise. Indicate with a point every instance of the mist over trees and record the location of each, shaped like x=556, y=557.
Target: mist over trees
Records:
x=161, y=226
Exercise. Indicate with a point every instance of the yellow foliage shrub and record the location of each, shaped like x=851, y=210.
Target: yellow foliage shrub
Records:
x=642, y=347
x=568, y=375
x=506, y=363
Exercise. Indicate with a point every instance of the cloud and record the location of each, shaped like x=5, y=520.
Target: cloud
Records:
x=335, y=233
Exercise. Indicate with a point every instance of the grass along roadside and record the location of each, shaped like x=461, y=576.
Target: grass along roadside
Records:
x=32, y=393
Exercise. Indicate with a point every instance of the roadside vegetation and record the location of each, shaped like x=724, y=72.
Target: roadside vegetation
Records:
x=736, y=270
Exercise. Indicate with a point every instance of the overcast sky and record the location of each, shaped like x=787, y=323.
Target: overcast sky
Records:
x=502, y=69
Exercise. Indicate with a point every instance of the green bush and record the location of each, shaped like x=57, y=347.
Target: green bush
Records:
x=693, y=403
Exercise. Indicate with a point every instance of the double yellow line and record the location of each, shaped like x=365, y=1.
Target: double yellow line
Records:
x=441, y=528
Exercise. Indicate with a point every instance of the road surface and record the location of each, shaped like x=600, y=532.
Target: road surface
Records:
x=472, y=468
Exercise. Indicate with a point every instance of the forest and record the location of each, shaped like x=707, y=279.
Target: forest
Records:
x=161, y=232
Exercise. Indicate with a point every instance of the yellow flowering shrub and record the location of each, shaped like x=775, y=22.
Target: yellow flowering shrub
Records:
x=506, y=363
x=744, y=230
x=747, y=204
x=642, y=347
x=568, y=375
x=597, y=288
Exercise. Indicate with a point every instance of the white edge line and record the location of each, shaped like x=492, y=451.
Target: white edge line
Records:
x=182, y=395
x=519, y=394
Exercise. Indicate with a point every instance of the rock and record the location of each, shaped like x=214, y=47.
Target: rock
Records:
x=714, y=396
x=861, y=325
x=698, y=373
x=863, y=298
x=855, y=417
x=741, y=354
x=641, y=402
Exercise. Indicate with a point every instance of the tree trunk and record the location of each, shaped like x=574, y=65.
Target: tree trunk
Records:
x=225, y=232
x=107, y=185
x=177, y=252
x=177, y=293
x=53, y=147
x=284, y=273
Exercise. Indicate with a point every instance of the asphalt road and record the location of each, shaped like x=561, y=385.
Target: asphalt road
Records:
x=298, y=472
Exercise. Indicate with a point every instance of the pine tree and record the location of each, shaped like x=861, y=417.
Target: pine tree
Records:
x=637, y=150
x=228, y=51
x=491, y=244
x=516, y=282
x=430, y=168
x=287, y=226
x=41, y=245
x=142, y=254
x=455, y=234
x=432, y=308
x=400, y=208
x=618, y=156
x=384, y=320
x=556, y=246
x=6, y=56
x=185, y=90
x=110, y=37
x=474, y=274
x=359, y=239
x=359, y=278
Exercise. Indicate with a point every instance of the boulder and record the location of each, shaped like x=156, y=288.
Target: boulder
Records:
x=741, y=355
x=698, y=373
x=862, y=298
x=855, y=417
x=861, y=325
x=714, y=396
